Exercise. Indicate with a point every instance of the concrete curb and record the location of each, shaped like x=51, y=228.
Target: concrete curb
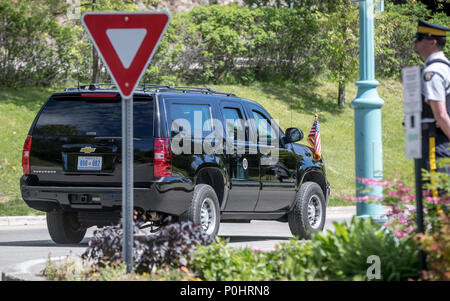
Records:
x=340, y=212
x=31, y=270
x=22, y=220
x=26, y=271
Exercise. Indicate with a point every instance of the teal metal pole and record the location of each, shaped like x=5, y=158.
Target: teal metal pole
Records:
x=367, y=106
x=419, y=212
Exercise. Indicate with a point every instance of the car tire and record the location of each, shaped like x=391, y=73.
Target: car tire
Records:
x=204, y=210
x=309, y=211
x=64, y=227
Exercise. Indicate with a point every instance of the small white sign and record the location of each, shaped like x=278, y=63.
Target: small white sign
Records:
x=413, y=135
x=412, y=99
x=412, y=90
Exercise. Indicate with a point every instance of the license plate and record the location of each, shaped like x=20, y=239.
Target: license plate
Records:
x=89, y=163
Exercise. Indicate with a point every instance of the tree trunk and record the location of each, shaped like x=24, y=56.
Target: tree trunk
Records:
x=341, y=95
x=95, y=65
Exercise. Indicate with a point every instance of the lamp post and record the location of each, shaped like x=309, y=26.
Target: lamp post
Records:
x=367, y=118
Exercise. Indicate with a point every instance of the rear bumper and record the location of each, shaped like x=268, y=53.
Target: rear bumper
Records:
x=166, y=196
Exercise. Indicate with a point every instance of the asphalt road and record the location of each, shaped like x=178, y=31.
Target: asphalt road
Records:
x=20, y=243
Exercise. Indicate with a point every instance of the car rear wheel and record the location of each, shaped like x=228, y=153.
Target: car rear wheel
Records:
x=64, y=227
x=204, y=210
x=308, y=214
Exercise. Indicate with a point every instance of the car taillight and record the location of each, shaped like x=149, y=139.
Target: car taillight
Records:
x=162, y=158
x=99, y=95
x=26, y=155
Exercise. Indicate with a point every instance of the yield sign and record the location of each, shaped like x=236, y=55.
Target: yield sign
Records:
x=126, y=42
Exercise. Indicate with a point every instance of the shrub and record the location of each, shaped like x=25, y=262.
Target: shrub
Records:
x=294, y=260
x=233, y=43
x=437, y=246
x=393, y=37
x=343, y=255
x=289, y=261
x=172, y=246
x=33, y=45
x=401, y=218
x=216, y=262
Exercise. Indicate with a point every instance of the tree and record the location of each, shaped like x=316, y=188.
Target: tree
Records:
x=435, y=6
x=338, y=42
x=33, y=43
x=101, y=5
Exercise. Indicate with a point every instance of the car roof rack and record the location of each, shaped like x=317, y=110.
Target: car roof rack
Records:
x=148, y=88
x=92, y=87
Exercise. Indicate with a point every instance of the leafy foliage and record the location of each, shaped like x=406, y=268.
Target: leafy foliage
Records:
x=338, y=44
x=437, y=246
x=32, y=44
x=232, y=43
x=341, y=255
x=402, y=218
x=221, y=44
x=172, y=246
x=217, y=262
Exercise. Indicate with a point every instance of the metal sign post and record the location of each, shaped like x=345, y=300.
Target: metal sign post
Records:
x=412, y=100
x=126, y=42
x=127, y=180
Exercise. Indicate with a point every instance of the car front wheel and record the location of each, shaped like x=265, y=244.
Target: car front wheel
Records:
x=309, y=211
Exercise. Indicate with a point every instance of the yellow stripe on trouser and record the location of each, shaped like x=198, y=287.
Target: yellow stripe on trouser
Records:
x=432, y=152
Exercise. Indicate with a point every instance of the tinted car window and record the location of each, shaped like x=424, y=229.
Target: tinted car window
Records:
x=81, y=118
x=198, y=117
x=235, y=127
x=263, y=128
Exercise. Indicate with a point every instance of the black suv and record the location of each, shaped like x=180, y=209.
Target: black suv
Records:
x=199, y=155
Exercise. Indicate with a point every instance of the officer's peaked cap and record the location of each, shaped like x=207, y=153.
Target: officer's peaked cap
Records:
x=430, y=30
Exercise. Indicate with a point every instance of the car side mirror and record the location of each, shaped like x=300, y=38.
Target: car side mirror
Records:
x=293, y=135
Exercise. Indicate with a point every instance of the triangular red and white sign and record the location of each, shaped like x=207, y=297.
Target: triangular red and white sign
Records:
x=126, y=42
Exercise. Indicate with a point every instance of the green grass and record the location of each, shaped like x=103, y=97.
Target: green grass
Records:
x=290, y=104
x=18, y=107
x=17, y=207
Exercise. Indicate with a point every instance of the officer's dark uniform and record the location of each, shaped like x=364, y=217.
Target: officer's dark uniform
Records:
x=435, y=86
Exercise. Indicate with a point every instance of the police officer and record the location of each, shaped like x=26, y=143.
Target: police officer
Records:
x=429, y=44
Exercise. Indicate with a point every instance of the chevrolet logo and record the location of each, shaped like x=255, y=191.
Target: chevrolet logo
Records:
x=87, y=150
